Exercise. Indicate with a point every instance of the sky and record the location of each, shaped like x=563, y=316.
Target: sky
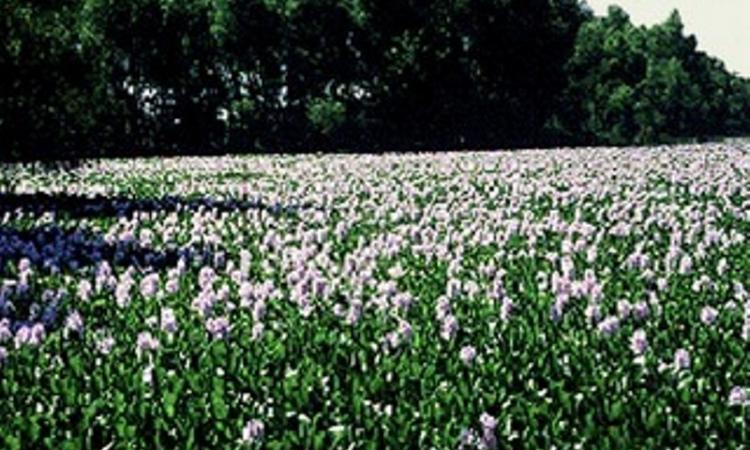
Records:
x=722, y=27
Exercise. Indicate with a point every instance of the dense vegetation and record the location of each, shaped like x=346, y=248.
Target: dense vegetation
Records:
x=117, y=77
x=591, y=299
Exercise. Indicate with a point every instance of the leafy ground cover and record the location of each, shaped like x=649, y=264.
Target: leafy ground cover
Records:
x=591, y=298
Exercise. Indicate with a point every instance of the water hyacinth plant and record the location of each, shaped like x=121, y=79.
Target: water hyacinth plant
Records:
x=592, y=298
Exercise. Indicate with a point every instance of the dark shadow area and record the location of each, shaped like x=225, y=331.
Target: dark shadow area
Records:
x=52, y=248
x=57, y=248
x=78, y=206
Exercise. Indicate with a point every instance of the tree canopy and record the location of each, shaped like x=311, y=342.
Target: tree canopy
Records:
x=114, y=77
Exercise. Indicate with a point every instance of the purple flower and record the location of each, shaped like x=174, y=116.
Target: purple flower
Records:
x=354, y=314
x=206, y=277
x=506, y=309
x=488, y=422
x=453, y=290
x=259, y=310
x=33, y=335
x=247, y=294
x=640, y=310
x=443, y=307
x=74, y=323
x=218, y=327
x=223, y=293
x=172, y=286
x=402, y=301
x=204, y=303
x=405, y=330
x=623, y=309
x=593, y=313
x=708, y=315
x=638, y=342
x=745, y=330
x=681, y=359
x=253, y=431
x=320, y=287
x=122, y=294
x=392, y=339
x=145, y=343
x=22, y=336
x=84, y=290
x=467, y=354
x=448, y=327
x=257, y=331
x=3, y=355
x=168, y=321
x=468, y=438
x=5, y=333
x=148, y=374
x=738, y=396
x=609, y=325
x=105, y=344
x=686, y=265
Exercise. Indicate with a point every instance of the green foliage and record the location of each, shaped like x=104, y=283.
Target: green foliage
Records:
x=105, y=77
x=326, y=114
x=629, y=84
x=318, y=381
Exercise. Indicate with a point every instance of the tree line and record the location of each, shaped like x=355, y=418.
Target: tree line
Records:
x=123, y=77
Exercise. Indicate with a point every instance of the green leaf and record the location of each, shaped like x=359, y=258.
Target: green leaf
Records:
x=219, y=406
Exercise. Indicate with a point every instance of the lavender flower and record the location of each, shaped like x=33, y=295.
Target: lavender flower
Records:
x=246, y=293
x=149, y=285
x=392, y=340
x=148, y=375
x=218, y=327
x=253, y=431
x=122, y=294
x=74, y=323
x=405, y=330
x=640, y=310
x=23, y=334
x=448, y=328
x=686, y=265
x=609, y=325
x=353, y=315
x=146, y=343
x=488, y=422
x=506, y=309
x=681, y=359
x=623, y=309
x=708, y=315
x=259, y=310
x=593, y=313
x=105, y=344
x=453, y=289
x=168, y=321
x=638, y=342
x=36, y=334
x=467, y=354
x=738, y=396
x=5, y=332
x=84, y=290
x=257, y=331
x=443, y=307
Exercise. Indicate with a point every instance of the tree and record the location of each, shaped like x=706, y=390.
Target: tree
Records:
x=641, y=85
